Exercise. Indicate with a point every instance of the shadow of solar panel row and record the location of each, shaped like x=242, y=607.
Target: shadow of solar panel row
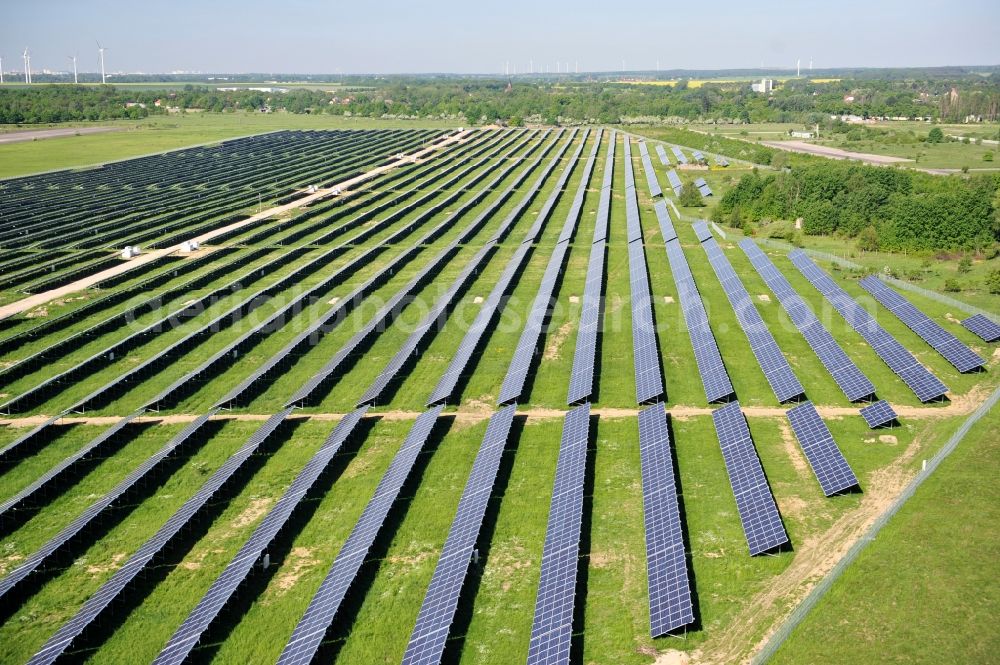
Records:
x=319, y=616
x=550, y=639
x=952, y=350
x=437, y=611
x=153, y=548
x=647, y=164
x=162, y=206
x=878, y=414
x=925, y=385
x=828, y=464
x=395, y=304
x=30, y=497
x=712, y=370
x=23, y=444
x=675, y=182
x=845, y=373
x=326, y=322
x=527, y=344
x=681, y=159
x=184, y=639
x=986, y=329
x=765, y=349
x=669, y=585
x=662, y=154
x=39, y=560
x=191, y=308
x=758, y=513
x=439, y=311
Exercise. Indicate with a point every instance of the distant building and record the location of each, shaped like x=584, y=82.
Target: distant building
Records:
x=765, y=86
x=801, y=135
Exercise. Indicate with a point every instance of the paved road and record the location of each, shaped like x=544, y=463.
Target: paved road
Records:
x=35, y=134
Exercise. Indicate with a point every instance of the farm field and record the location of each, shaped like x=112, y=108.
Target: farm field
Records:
x=178, y=382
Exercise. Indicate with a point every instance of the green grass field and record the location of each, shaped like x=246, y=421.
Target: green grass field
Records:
x=739, y=598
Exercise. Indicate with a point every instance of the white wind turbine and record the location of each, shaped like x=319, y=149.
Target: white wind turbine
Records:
x=73, y=58
x=27, y=66
x=104, y=79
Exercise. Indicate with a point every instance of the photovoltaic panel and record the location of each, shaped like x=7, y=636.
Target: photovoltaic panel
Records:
x=754, y=501
x=675, y=181
x=765, y=349
x=979, y=325
x=513, y=383
x=925, y=385
x=428, y=638
x=698, y=157
x=647, y=165
x=669, y=584
x=845, y=373
x=604, y=202
x=179, y=647
x=662, y=154
x=561, y=550
x=958, y=354
x=722, y=161
x=701, y=230
x=681, y=159
x=878, y=414
x=319, y=616
x=832, y=470
x=137, y=563
x=663, y=217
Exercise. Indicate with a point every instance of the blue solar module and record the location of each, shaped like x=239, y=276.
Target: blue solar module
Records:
x=925, y=385
x=647, y=165
x=99, y=602
x=722, y=161
x=758, y=511
x=201, y=617
x=670, y=605
x=664, y=160
x=765, y=349
x=581, y=383
x=430, y=633
x=985, y=328
x=675, y=181
x=663, y=217
x=698, y=157
x=832, y=470
x=845, y=373
x=319, y=616
x=554, y=601
x=878, y=414
x=958, y=354
x=513, y=383
x=701, y=230
x=681, y=159
x=604, y=202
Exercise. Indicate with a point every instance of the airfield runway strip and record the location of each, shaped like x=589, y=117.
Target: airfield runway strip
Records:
x=33, y=301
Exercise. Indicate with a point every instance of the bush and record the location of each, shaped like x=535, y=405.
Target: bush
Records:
x=868, y=240
x=935, y=135
x=690, y=197
x=993, y=281
x=987, y=156
x=964, y=265
x=952, y=286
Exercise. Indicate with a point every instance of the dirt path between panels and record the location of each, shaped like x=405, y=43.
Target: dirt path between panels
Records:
x=959, y=406
x=340, y=188
x=36, y=134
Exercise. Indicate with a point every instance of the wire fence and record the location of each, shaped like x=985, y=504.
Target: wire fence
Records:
x=906, y=286
x=809, y=602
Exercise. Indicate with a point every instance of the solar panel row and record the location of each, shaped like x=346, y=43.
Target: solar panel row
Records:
x=664, y=160
x=765, y=349
x=438, y=311
x=828, y=464
x=721, y=161
x=527, y=345
x=701, y=230
x=675, y=182
x=878, y=414
x=845, y=373
x=985, y=328
x=670, y=604
x=647, y=165
x=318, y=617
x=925, y=385
x=958, y=354
x=184, y=639
x=698, y=157
x=581, y=382
x=109, y=592
x=553, y=620
x=758, y=512
x=437, y=611
x=681, y=159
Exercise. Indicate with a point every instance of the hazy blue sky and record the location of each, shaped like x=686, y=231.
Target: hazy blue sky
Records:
x=389, y=36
